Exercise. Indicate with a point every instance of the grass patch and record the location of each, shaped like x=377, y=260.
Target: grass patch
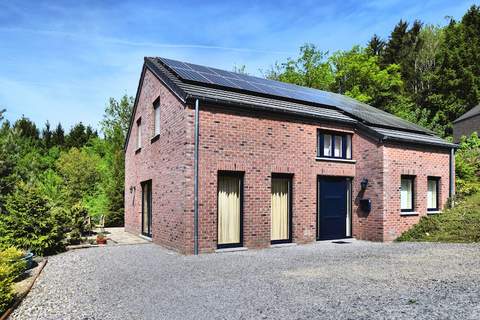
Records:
x=458, y=224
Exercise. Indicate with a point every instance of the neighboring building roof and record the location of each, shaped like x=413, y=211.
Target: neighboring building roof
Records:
x=475, y=111
x=189, y=81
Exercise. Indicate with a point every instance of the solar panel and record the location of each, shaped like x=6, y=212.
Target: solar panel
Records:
x=175, y=63
x=227, y=79
x=198, y=68
x=219, y=80
x=191, y=75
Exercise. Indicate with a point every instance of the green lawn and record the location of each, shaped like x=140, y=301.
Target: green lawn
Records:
x=458, y=224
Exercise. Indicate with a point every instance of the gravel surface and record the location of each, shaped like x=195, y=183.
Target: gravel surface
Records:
x=359, y=280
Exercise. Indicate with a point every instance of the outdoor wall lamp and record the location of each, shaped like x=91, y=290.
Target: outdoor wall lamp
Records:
x=132, y=189
x=364, y=184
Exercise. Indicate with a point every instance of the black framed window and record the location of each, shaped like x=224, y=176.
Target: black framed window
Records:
x=147, y=208
x=139, y=134
x=156, y=117
x=407, y=194
x=334, y=145
x=432, y=193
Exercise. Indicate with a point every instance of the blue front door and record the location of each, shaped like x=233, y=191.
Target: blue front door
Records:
x=332, y=207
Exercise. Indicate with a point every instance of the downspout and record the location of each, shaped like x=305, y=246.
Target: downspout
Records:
x=451, y=191
x=195, y=181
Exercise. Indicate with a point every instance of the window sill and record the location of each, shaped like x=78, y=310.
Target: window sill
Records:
x=155, y=138
x=335, y=160
x=434, y=212
x=138, y=150
x=409, y=213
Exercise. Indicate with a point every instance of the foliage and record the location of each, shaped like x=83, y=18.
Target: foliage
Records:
x=310, y=69
x=54, y=184
x=115, y=127
x=458, y=224
x=26, y=128
x=29, y=222
x=11, y=258
x=358, y=75
x=467, y=165
x=79, y=136
x=11, y=267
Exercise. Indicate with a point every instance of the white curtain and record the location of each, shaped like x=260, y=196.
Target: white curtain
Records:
x=432, y=194
x=327, y=145
x=338, y=146
x=406, y=194
x=228, y=210
x=280, y=208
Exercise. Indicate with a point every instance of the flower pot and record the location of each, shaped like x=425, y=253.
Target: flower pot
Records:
x=28, y=258
x=101, y=240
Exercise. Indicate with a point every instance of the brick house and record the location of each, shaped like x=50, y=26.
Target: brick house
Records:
x=215, y=159
x=467, y=124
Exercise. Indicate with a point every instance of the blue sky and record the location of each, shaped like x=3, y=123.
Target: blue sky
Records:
x=62, y=60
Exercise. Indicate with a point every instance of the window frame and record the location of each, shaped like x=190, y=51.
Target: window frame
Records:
x=412, y=201
x=156, y=108
x=437, y=190
x=139, y=137
x=334, y=136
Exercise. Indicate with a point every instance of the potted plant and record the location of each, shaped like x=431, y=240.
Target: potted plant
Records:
x=101, y=239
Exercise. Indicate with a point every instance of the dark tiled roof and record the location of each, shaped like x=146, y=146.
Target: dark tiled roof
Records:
x=314, y=103
x=471, y=113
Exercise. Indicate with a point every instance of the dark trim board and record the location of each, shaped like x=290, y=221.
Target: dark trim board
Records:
x=290, y=206
x=240, y=175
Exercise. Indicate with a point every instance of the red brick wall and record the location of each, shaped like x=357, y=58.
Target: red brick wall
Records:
x=369, y=156
x=165, y=161
x=420, y=162
x=260, y=145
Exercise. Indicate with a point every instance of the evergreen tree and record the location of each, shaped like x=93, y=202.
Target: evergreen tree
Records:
x=29, y=222
x=456, y=84
x=47, y=136
x=80, y=135
x=115, y=126
x=58, y=136
x=395, y=47
x=375, y=46
x=26, y=128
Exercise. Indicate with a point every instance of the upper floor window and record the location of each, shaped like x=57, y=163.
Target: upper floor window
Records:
x=139, y=133
x=406, y=193
x=334, y=145
x=156, y=112
x=432, y=193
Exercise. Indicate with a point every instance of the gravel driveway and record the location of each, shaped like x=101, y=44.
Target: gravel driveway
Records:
x=359, y=280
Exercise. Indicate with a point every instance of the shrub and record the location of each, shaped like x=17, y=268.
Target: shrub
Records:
x=467, y=165
x=30, y=223
x=458, y=224
x=11, y=268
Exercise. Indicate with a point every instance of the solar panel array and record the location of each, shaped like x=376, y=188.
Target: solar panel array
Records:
x=212, y=76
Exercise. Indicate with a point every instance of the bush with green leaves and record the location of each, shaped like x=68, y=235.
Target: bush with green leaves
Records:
x=11, y=268
x=30, y=223
x=467, y=165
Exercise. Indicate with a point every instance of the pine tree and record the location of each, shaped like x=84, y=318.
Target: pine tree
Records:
x=26, y=128
x=47, y=136
x=58, y=136
x=375, y=46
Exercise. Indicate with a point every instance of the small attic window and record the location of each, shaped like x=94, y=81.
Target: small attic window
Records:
x=156, y=117
x=139, y=133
